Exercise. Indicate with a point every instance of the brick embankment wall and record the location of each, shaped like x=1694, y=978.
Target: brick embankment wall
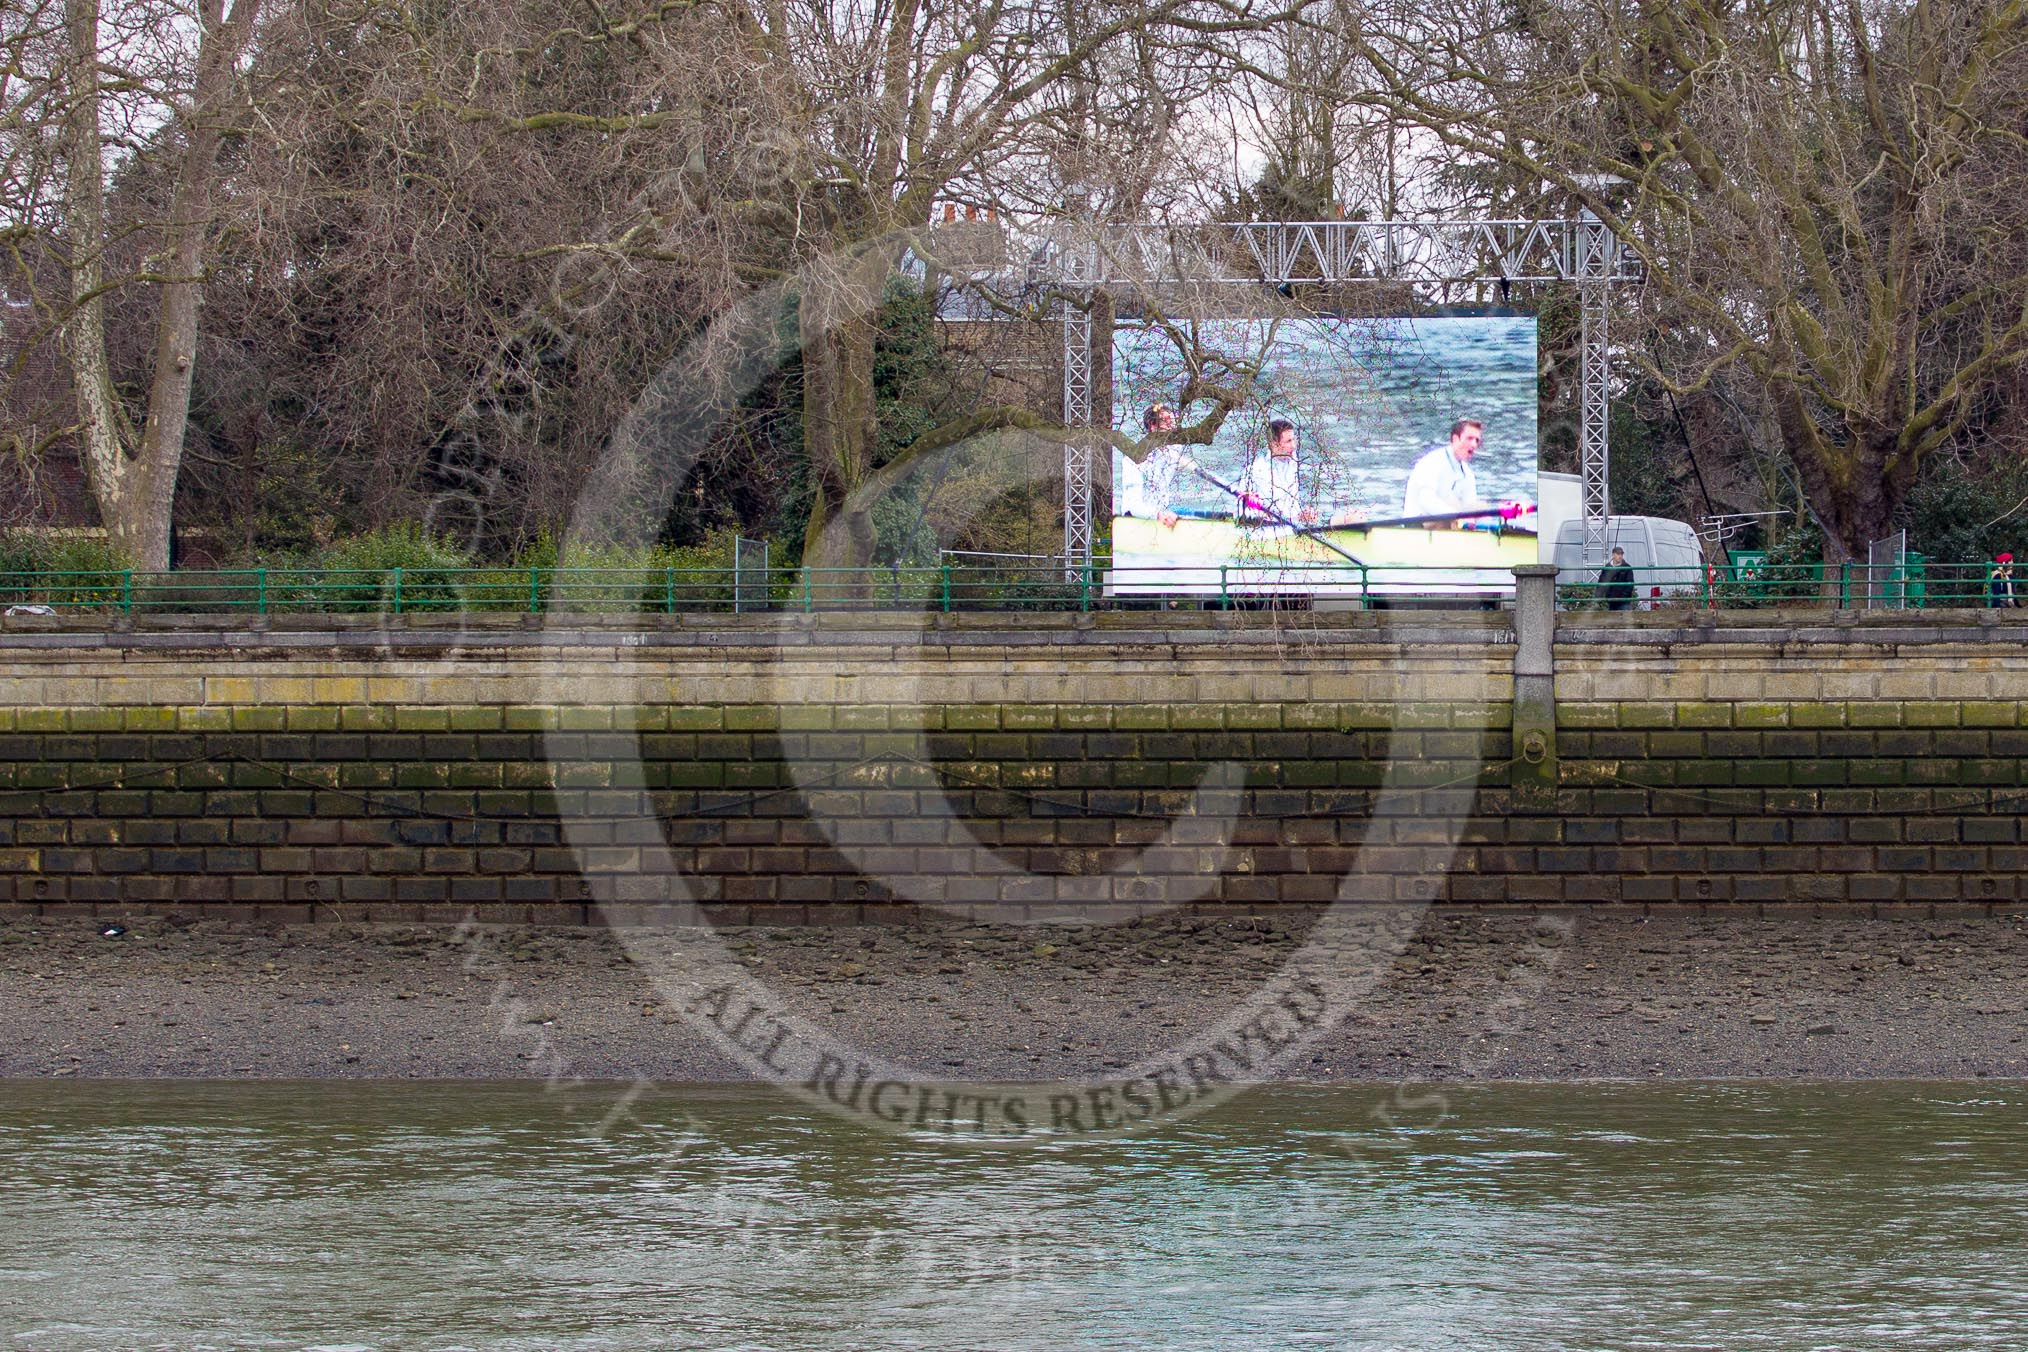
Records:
x=837, y=768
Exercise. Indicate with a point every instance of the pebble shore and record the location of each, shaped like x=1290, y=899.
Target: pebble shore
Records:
x=1473, y=995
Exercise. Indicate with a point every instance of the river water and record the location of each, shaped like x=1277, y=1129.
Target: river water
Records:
x=441, y=1216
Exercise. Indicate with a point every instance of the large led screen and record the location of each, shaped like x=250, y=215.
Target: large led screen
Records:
x=1368, y=456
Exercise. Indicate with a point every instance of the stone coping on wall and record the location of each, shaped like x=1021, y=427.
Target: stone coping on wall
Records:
x=1098, y=634
x=1093, y=634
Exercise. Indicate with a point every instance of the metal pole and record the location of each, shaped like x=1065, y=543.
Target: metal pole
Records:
x=1077, y=413
x=1595, y=411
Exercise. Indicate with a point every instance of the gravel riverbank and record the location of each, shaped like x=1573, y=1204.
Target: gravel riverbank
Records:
x=1479, y=995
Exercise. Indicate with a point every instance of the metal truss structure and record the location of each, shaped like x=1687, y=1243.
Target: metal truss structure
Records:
x=1159, y=261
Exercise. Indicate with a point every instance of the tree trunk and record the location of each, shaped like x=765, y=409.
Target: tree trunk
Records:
x=133, y=478
x=839, y=327
x=1854, y=493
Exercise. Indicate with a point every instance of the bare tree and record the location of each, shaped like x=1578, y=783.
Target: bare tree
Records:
x=1828, y=195
x=97, y=89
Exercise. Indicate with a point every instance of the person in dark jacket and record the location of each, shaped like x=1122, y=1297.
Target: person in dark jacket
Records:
x=2000, y=583
x=1616, y=582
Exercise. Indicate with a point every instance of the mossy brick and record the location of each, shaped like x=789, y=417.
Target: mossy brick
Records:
x=476, y=718
x=1784, y=743
x=1816, y=714
x=175, y=803
x=895, y=744
x=286, y=746
x=1761, y=772
x=969, y=717
x=1724, y=742
x=756, y=775
x=510, y=746
x=804, y=718
x=203, y=776
x=502, y=803
x=69, y=747
x=366, y=718
x=1645, y=714
x=1936, y=770
x=1819, y=773
x=1987, y=770
x=637, y=718
x=320, y=777
x=1931, y=714
x=584, y=775
x=1310, y=714
x=1354, y=774
x=1150, y=717
x=1845, y=742
x=1981, y=713
x=1358, y=714
x=1587, y=715
x=751, y=717
x=1260, y=715
x=1962, y=741
x=475, y=775
x=1873, y=713
x=421, y=718
x=288, y=803
x=711, y=717
x=1760, y=715
x=1306, y=774
x=93, y=720
x=151, y=718
x=360, y=773
x=1676, y=744
x=421, y=775
x=692, y=775
x=1084, y=774
x=1010, y=745
x=860, y=717
x=528, y=717
x=1114, y=746
x=1702, y=714
x=1696, y=773
x=1615, y=745
x=40, y=720
x=259, y=718
x=312, y=718
x=1085, y=717
x=724, y=746
x=1876, y=771
x=1027, y=717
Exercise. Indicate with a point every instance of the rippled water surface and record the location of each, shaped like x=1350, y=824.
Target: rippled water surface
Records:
x=485, y=1216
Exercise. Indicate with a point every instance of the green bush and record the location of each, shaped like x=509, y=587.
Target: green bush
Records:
x=616, y=580
x=72, y=571
x=432, y=574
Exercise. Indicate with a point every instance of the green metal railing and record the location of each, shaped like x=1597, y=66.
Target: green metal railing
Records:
x=1919, y=585
x=957, y=584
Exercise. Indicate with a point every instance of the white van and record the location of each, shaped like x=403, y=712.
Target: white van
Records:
x=1666, y=556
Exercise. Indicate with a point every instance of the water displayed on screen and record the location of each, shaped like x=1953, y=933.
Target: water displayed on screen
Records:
x=1368, y=399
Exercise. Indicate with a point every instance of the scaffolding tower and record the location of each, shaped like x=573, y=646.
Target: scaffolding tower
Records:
x=1157, y=260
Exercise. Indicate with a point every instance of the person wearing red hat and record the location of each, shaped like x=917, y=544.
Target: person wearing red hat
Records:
x=2000, y=583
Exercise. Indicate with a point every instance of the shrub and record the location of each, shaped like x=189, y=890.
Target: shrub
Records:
x=74, y=571
x=617, y=580
x=432, y=573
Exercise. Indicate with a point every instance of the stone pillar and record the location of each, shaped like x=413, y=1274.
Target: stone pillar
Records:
x=1533, y=774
